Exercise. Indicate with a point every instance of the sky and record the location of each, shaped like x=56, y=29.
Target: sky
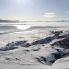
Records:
x=34, y=9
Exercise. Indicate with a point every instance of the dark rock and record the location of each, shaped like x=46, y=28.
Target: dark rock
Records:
x=27, y=50
x=7, y=58
x=36, y=49
x=57, y=33
x=42, y=60
x=63, y=36
x=62, y=43
x=11, y=59
x=59, y=37
x=42, y=41
x=7, y=48
x=12, y=45
x=16, y=43
x=56, y=55
x=52, y=61
x=27, y=45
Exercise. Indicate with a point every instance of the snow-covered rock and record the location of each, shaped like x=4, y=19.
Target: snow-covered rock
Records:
x=42, y=50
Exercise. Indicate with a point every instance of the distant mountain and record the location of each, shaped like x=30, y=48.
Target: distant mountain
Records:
x=17, y=21
x=2, y=21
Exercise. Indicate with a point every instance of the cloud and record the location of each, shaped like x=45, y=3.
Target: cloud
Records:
x=50, y=15
x=66, y=11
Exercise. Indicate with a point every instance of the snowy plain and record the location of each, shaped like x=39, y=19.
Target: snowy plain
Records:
x=35, y=48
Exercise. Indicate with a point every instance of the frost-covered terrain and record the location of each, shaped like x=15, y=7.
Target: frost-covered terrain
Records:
x=36, y=48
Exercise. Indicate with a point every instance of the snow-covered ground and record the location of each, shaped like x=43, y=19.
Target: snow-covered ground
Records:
x=36, y=48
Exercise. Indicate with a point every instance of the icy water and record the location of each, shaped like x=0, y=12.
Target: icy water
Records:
x=15, y=27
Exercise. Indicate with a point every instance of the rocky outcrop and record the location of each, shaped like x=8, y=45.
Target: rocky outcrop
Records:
x=61, y=46
x=12, y=45
x=62, y=43
x=43, y=41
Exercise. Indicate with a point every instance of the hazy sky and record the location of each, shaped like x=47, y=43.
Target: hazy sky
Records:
x=34, y=9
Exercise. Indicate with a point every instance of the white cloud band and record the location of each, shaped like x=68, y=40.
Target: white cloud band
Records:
x=50, y=15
